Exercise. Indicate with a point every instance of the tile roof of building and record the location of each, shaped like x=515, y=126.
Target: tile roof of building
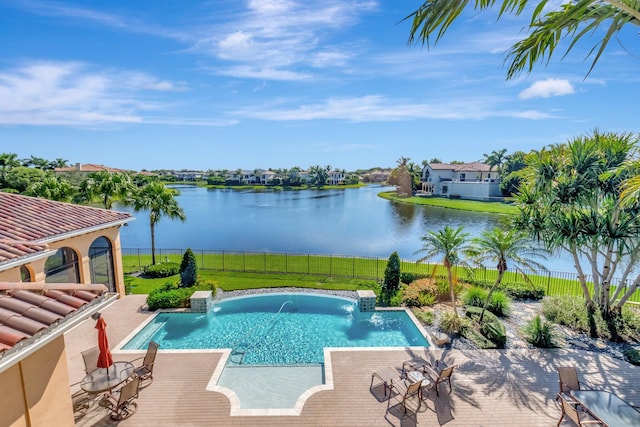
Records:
x=28, y=223
x=461, y=167
x=88, y=167
x=27, y=309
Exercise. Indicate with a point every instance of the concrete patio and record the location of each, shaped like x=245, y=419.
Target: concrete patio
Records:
x=490, y=388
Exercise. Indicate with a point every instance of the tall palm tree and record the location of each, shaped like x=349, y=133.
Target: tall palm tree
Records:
x=496, y=159
x=7, y=161
x=159, y=201
x=505, y=247
x=449, y=244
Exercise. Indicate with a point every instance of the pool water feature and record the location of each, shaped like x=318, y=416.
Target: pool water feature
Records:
x=275, y=343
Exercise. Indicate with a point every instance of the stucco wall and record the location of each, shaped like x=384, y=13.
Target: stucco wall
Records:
x=474, y=190
x=41, y=383
x=81, y=245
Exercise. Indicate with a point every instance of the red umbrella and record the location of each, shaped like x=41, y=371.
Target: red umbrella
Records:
x=104, y=359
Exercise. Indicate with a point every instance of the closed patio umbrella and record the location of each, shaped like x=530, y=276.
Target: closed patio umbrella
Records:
x=104, y=359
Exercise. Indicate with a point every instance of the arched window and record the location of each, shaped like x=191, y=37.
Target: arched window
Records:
x=25, y=274
x=101, y=263
x=62, y=267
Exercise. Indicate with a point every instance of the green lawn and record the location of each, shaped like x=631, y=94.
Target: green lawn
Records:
x=443, y=202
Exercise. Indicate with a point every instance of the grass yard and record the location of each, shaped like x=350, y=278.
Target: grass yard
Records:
x=443, y=202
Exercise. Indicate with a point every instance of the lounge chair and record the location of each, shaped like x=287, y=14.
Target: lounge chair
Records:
x=439, y=374
x=122, y=403
x=90, y=358
x=405, y=390
x=575, y=415
x=568, y=380
x=145, y=370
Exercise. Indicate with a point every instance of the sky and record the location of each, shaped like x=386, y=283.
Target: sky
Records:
x=249, y=84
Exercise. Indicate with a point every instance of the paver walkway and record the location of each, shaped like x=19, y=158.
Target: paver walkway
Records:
x=490, y=388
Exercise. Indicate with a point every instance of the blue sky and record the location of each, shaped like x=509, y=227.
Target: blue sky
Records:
x=281, y=83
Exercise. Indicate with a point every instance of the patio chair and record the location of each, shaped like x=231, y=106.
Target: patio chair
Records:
x=568, y=380
x=385, y=376
x=439, y=374
x=124, y=405
x=90, y=358
x=405, y=390
x=145, y=370
x=574, y=414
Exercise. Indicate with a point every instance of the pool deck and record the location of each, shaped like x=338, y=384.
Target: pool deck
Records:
x=490, y=387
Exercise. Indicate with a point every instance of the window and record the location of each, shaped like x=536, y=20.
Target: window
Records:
x=445, y=189
x=463, y=176
x=25, y=274
x=62, y=267
x=101, y=263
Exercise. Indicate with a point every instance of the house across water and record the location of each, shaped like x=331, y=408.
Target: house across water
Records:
x=473, y=181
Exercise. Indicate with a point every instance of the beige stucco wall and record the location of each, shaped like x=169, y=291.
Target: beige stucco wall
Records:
x=39, y=382
x=80, y=244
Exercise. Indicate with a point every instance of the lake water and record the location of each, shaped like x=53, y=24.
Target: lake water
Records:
x=341, y=222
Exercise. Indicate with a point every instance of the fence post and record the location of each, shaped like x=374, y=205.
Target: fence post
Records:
x=330, y=265
x=265, y=261
x=353, y=267
x=139, y=264
x=548, y=282
x=308, y=265
x=286, y=263
x=244, y=263
x=223, y=260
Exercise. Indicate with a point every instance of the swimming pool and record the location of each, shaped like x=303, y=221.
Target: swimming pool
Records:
x=280, y=329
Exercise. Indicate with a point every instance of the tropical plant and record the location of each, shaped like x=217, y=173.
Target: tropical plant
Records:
x=540, y=333
x=20, y=178
x=7, y=162
x=496, y=159
x=504, y=247
x=160, y=201
x=38, y=163
x=571, y=201
x=572, y=20
x=449, y=244
x=451, y=323
x=107, y=186
x=52, y=188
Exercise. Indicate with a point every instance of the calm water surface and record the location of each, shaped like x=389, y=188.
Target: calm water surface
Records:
x=342, y=222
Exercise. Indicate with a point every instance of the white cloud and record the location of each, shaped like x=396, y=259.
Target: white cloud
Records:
x=376, y=108
x=72, y=94
x=547, y=88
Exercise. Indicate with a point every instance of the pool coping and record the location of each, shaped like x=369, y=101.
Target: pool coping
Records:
x=302, y=399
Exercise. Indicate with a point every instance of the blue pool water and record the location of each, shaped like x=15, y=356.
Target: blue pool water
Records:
x=280, y=329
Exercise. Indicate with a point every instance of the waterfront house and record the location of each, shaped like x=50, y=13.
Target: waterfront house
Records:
x=83, y=170
x=59, y=264
x=474, y=181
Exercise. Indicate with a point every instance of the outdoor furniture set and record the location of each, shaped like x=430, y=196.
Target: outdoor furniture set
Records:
x=592, y=407
x=411, y=380
x=123, y=374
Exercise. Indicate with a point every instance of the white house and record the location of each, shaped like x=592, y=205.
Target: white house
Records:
x=475, y=181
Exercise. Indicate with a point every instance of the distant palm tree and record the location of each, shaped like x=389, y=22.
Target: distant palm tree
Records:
x=7, y=162
x=496, y=159
x=502, y=247
x=159, y=201
x=448, y=243
x=107, y=185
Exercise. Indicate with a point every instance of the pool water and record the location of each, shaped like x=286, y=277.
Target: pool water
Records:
x=280, y=329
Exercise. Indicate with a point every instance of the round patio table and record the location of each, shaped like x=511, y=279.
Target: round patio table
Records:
x=106, y=379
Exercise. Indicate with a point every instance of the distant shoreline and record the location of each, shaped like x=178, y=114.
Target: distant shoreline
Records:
x=460, y=204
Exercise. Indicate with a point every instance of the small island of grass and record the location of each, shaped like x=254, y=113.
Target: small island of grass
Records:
x=443, y=202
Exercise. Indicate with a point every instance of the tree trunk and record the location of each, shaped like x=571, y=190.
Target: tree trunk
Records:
x=153, y=244
x=451, y=292
x=493, y=288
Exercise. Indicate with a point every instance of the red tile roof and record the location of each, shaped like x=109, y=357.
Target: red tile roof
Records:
x=461, y=167
x=24, y=313
x=28, y=223
x=88, y=167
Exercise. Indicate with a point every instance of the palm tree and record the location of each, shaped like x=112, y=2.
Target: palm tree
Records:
x=159, y=201
x=572, y=20
x=496, y=159
x=7, y=161
x=59, y=162
x=449, y=243
x=505, y=247
x=108, y=185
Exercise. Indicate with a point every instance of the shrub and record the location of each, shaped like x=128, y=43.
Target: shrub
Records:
x=499, y=305
x=472, y=333
x=491, y=328
x=164, y=269
x=188, y=269
x=425, y=317
x=524, y=291
x=540, y=333
x=475, y=296
x=170, y=296
x=408, y=277
x=451, y=323
x=632, y=356
x=391, y=275
x=419, y=293
x=395, y=300
x=572, y=312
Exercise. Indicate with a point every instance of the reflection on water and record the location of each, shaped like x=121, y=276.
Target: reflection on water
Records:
x=342, y=222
